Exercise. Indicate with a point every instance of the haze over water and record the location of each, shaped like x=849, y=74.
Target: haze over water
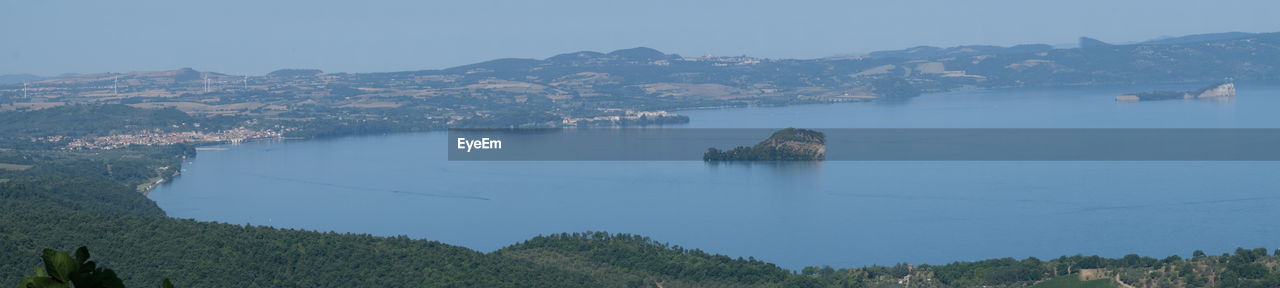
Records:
x=836, y=213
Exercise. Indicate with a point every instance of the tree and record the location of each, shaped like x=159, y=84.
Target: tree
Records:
x=61, y=270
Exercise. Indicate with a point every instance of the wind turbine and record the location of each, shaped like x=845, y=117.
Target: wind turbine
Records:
x=115, y=80
x=206, y=82
x=24, y=89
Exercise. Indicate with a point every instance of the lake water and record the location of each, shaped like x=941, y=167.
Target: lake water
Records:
x=836, y=213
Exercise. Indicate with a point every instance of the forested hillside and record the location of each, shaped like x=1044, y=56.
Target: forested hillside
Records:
x=130, y=234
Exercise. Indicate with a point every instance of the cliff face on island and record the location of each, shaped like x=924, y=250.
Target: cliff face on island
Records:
x=1221, y=91
x=1224, y=90
x=789, y=144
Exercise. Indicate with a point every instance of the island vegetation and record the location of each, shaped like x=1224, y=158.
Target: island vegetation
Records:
x=788, y=144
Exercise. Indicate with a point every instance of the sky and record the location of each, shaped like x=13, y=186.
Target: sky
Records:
x=49, y=37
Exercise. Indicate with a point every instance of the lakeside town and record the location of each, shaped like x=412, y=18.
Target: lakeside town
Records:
x=157, y=137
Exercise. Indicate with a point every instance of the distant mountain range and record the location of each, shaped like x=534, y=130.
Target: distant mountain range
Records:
x=570, y=87
x=926, y=52
x=1199, y=38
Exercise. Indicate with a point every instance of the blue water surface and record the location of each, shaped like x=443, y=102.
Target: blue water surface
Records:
x=835, y=213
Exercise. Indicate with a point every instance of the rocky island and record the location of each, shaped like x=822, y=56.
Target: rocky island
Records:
x=1220, y=91
x=789, y=144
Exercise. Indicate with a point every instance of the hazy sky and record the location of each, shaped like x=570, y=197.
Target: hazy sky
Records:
x=255, y=37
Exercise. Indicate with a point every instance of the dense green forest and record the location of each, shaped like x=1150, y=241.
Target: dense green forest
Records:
x=142, y=245
x=198, y=254
x=132, y=167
